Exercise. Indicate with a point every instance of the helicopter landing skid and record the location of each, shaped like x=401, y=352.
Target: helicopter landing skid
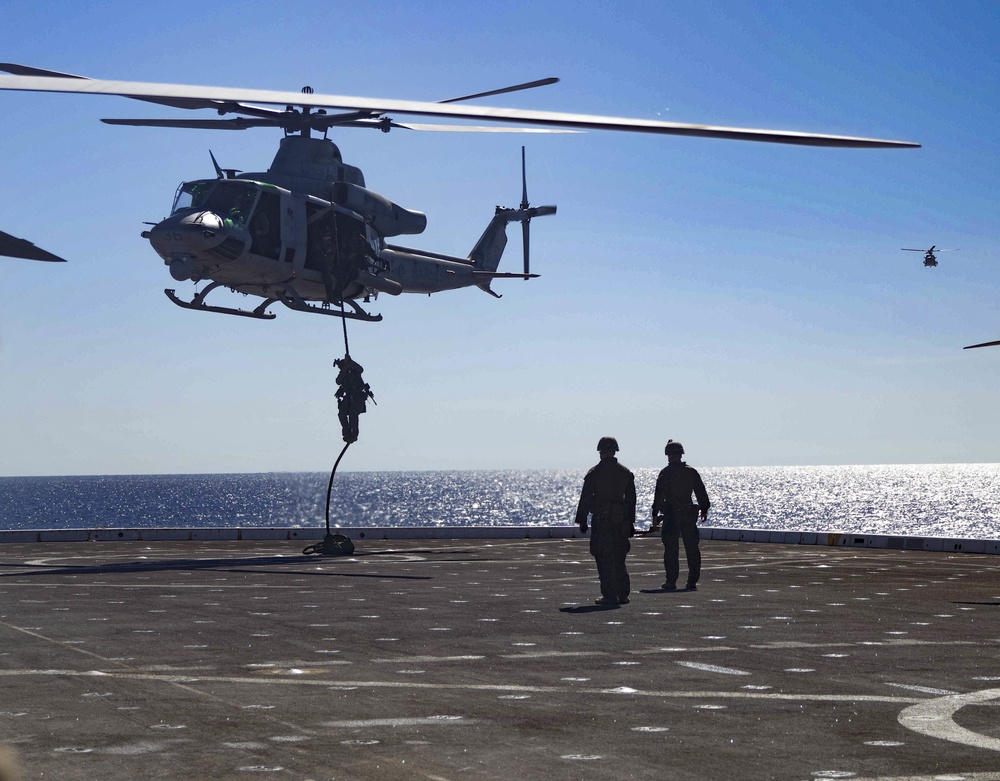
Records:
x=293, y=300
x=198, y=302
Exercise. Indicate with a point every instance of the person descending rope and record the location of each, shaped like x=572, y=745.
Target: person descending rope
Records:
x=352, y=394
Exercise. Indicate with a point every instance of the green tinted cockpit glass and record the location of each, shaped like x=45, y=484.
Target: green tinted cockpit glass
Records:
x=226, y=198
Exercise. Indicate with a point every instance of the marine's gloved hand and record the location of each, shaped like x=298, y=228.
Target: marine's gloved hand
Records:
x=583, y=527
x=631, y=530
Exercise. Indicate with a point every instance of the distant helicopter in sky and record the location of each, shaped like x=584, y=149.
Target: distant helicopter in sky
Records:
x=931, y=260
x=930, y=255
x=308, y=233
x=13, y=247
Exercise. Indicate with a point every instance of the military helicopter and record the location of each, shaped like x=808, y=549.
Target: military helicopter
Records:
x=931, y=260
x=308, y=233
x=930, y=256
x=13, y=247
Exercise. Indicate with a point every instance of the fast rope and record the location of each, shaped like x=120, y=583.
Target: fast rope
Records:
x=343, y=322
x=334, y=544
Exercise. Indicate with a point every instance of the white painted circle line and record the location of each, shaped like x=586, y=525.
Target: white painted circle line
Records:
x=935, y=718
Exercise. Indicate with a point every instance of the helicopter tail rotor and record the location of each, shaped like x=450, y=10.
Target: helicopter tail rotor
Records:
x=485, y=256
x=525, y=214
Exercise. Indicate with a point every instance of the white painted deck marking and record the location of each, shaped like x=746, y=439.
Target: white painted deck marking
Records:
x=423, y=659
x=271, y=680
x=713, y=668
x=935, y=718
x=922, y=689
x=988, y=776
x=418, y=721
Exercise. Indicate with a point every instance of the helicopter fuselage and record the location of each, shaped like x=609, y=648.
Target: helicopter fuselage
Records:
x=294, y=236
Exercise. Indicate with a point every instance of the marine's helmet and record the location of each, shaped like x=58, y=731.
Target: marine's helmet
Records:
x=673, y=447
x=607, y=443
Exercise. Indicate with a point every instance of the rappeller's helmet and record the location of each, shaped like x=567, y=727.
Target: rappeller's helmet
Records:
x=607, y=443
x=673, y=447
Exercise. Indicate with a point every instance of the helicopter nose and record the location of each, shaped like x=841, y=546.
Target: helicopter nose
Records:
x=199, y=235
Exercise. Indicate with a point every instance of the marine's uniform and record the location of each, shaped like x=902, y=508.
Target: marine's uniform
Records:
x=352, y=394
x=672, y=500
x=608, y=496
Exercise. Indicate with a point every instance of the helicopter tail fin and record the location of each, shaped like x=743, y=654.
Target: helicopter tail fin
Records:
x=485, y=256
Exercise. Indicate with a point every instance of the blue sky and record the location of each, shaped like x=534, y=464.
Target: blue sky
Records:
x=748, y=299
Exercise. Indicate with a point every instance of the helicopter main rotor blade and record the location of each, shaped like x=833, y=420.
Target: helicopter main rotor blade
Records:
x=27, y=70
x=237, y=108
x=433, y=128
x=159, y=92
x=501, y=91
x=13, y=247
x=984, y=344
x=319, y=122
x=237, y=123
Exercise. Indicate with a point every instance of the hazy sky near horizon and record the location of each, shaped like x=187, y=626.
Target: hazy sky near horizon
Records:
x=748, y=299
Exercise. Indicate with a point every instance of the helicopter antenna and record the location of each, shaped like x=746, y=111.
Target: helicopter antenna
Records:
x=218, y=170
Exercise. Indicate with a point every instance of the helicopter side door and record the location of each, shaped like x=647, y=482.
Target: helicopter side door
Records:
x=325, y=247
x=265, y=225
x=293, y=232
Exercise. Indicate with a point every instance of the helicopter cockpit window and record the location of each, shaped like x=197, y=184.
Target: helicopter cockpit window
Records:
x=191, y=195
x=227, y=199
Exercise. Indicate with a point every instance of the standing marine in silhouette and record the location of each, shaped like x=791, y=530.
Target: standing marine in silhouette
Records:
x=608, y=497
x=676, y=517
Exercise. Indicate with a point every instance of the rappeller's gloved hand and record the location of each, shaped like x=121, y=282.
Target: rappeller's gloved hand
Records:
x=631, y=530
x=583, y=527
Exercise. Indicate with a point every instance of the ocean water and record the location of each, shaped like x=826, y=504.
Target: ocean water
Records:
x=941, y=500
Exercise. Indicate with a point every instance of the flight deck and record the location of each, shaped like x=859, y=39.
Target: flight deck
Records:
x=488, y=659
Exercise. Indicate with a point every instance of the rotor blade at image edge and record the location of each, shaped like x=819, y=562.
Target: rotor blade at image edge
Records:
x=13, y=247
x=142, y=91
x=984, y=344
x=28, y=70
